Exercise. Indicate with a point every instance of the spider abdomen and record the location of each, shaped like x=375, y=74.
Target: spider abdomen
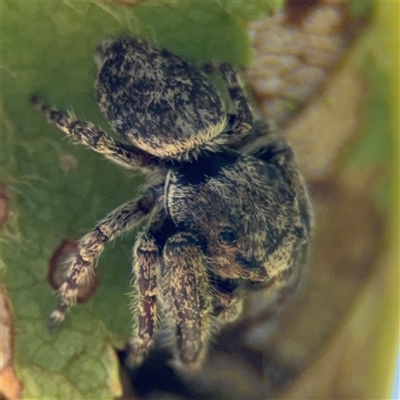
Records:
x=156, y=100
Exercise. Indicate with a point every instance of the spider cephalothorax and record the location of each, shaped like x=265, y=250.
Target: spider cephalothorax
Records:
x=230, y=217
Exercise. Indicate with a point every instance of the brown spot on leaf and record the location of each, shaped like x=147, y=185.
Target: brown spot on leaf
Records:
x=10, y=387
x=4, y=204
x=58, y=268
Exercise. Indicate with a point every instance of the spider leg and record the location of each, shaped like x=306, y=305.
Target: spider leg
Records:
x=185, y=281
x=270, y=146
x=91, y=245
x=226, y=306
x=242, y=121
x=146, y=264
x=86, y=133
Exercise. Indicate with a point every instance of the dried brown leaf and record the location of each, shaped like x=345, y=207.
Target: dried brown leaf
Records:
x=294, y=51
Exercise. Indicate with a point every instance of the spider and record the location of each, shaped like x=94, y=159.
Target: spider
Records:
x=228, y=214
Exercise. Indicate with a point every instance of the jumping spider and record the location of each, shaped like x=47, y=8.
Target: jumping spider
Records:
x=229, y=215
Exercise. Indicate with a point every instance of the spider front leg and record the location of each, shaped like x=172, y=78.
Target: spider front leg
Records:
x=146, y=264
x=186, y=290
x=86, y=133
x=226, y=306
x=91, y=245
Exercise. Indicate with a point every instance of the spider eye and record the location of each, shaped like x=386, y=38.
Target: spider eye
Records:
x=228, y=236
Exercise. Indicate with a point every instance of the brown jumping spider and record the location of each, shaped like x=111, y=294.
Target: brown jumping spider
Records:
x=229, y=215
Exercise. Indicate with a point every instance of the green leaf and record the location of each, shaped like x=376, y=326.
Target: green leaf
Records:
x=59, y=190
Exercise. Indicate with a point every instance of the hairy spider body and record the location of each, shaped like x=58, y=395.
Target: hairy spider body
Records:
x=156, y=100
x=231, y=217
